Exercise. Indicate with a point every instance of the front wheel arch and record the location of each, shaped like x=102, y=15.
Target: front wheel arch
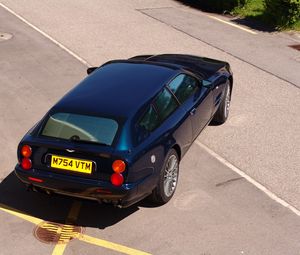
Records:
x=222, y=112
x=230, y=78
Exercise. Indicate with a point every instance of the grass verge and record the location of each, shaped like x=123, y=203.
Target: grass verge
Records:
x=296, y=26
x=255, y=10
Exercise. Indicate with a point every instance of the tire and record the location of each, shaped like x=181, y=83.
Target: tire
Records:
x=168, y=179
x=222, y=113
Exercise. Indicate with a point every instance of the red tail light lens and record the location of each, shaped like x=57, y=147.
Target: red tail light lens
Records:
x=26, y=151
x=117, y=179
x=119, y=166
x=26, y=163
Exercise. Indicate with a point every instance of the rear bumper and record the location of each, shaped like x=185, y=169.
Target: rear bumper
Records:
x=75, y=186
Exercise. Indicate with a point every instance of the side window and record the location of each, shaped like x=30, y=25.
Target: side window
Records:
x=150, y=120
x=146, y=124
x=183, y=86
x=165, y=104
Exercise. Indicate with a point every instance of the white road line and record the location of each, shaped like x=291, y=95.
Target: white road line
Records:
x=232, y=24
x=249, y=179
x=217, y=156
x=46, y=35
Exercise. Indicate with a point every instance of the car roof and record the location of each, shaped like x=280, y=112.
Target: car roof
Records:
x=201, y=66
x=117, y=88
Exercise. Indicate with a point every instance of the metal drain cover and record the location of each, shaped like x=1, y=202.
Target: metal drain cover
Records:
x=5, y=36
x=50, y=232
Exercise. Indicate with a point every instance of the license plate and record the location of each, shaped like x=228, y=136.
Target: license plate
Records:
x=71, y=164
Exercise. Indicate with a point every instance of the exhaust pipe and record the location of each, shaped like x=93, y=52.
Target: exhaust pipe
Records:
x=48, y=192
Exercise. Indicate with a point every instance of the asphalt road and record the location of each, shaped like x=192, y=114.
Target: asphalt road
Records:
x=214, y=211
x=268, y=52
x=262, y=135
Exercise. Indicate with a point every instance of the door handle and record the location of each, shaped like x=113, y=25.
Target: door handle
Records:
x=193, y=111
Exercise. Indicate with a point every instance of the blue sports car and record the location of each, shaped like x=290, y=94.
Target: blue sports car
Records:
x=119, y=135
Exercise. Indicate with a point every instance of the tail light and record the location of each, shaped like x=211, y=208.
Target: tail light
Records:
x=117, y=179
x=26, y=153
x=119, y=167
x=26, y=163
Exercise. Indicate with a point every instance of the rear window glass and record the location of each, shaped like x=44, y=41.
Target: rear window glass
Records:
x=81, y=127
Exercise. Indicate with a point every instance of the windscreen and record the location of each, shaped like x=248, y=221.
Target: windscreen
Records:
x=81, y=128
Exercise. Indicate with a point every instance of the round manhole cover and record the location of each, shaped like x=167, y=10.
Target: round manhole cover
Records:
x=5, y=36
x=49, y=232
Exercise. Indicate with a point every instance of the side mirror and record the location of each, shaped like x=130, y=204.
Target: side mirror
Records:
x=90, y=70
x=206, y=83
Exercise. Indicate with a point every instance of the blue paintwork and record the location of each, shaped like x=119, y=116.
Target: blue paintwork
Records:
x=116, y=89
x=123, y=90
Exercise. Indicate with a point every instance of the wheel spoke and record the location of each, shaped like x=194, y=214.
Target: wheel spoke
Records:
x=227, y=101
x=170, y=175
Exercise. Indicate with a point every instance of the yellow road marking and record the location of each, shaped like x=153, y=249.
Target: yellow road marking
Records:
x=59, y=249
x=71, y=218
x=23, y=216
x=111, y=246
x=232, y=24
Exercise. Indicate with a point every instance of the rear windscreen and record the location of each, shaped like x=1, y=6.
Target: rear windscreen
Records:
x=81, y=127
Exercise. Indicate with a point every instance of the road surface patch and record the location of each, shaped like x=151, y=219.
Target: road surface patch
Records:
x=46, y=35
x=232, y=24
x=5, y=36
x=63, y=233
x=269, y=193
x=296, y=46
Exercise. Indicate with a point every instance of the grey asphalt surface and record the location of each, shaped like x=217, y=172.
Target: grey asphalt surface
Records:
x=262, y=135
x=265, y=51
x=214, y=211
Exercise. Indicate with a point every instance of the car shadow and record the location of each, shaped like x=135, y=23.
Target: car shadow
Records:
x=200, y=5
x=55, y=208
x=256, y=23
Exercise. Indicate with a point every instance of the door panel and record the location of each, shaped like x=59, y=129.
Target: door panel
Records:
x=201, y=111
x=195, y=99
x=185, y=88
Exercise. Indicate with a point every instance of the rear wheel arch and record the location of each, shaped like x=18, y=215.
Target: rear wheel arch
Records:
x=168, y=178
x=178, y=150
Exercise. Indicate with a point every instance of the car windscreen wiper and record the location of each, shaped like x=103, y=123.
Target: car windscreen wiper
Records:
x=77, y=139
